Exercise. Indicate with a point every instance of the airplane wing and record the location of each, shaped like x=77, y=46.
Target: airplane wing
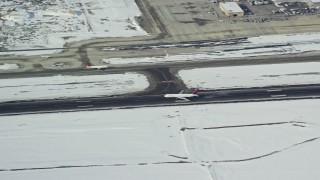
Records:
x=182, y=98
x=181, y=92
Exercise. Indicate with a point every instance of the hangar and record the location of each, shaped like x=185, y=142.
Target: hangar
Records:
x=231, y=9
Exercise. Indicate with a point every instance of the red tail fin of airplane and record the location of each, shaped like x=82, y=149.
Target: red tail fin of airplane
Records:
x=88, y=65
x=195, y=91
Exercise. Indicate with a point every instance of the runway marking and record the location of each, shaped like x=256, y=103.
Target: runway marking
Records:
x=83, y=101
x=280, y=95
x=85, y=106
x=274, y=90
x=24, y=107
x=171, y=81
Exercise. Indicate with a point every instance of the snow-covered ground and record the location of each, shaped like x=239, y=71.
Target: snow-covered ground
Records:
x=159, y=172
x=5, y=67
x=242, y=141
x=71, y=86
x=253, y=46
x=252, y=76
x=51, y=24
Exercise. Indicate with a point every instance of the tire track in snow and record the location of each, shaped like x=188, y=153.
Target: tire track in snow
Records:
x=94, y=165
x=295, y=123
x=268, y=154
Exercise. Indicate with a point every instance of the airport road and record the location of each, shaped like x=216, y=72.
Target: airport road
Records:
x=205, y=97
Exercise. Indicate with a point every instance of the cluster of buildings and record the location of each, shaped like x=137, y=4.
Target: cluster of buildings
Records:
x=295, y=7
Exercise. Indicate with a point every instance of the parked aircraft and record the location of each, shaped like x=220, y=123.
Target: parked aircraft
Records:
x=182, y=96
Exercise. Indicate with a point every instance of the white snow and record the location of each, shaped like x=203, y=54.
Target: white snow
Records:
x=252, y=76
x=158, y=172
x=71, y=86
x=6, y=66
x=253, y=46
x=218, y=141
x=295, y=163
x=93, y=138
x=286, y=38
x=52, y=24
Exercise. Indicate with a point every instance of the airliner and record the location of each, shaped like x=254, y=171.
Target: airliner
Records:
x=90, y=66
x=45, y=56
x=182, y=96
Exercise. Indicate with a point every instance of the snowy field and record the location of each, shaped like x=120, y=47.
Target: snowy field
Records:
x=253, y=46
x=252, y=76
x=6, y=66
x=241, y=141
x=52, y=23
x=71, y=86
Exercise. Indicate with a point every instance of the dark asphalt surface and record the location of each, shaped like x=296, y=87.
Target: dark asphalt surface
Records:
x=205, y=97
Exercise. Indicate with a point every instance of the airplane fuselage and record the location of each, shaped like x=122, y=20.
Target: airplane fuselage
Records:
x=183, y=97
x=97, y=67
x=180, y=95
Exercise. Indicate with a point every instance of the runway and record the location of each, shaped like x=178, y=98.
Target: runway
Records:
x=145, y=100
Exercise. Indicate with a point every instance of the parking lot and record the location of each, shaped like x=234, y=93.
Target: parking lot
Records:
x=186, y=20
